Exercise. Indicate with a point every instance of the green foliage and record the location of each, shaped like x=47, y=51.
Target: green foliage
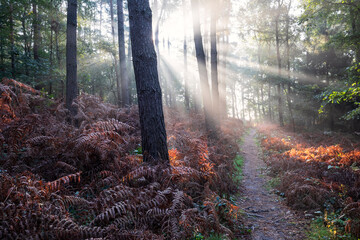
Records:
x=216, y=237
x=319, y=231
x=138, y=150
x=328, y=227
x=348, y=93
x=273, y=183
x=238, y=164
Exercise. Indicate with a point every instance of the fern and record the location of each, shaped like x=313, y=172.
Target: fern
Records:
x=66, y=166
x=109, y=125
x=55, y=185
x=71, y=200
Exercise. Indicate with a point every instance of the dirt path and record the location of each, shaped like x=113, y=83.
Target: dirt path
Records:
x=268, y=218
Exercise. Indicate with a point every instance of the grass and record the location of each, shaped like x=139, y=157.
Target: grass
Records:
x=319, y=231
x=215, y=237
x=238, y=164
x=272, y=183
x=327, y=230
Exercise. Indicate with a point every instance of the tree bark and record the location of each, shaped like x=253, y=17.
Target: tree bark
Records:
x=51, y=60
x=262, y=100
x=277, y=38
x=156, y=23
x=26, y=46
x=117, y=74
x=57, y=30
x=12, y=40
x=288, y=94
x=223, y=78
x=214, y=62
x=201, y=61
x=269, y=102
x=355, y=23
x=233, y=100
x=242, y=100
x=153, y=133
x=36, y=32
x=71, y=65
x=2, y=54
x=186, y=84
x=122, y=57
x=101, y=5
x=129, y=65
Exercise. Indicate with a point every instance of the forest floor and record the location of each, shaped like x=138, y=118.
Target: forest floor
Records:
x=267, y=216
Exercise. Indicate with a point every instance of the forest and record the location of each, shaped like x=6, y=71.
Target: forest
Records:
x=180, y=119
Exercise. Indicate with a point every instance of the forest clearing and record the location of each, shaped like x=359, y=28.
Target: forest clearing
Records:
x=180, y=119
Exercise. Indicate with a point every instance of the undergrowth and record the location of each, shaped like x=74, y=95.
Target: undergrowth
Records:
x=317, y=174
x=238, y=164
x=64, y=177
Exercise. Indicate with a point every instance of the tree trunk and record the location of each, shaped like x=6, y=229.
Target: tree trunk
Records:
x=51, y=60
x=129, y=65
x=354, y=18
x=262, y=100
x=36, y=31
x=101, y=5
x=288, y=95
x=153, y=133
x=12, y=40
x=258, y=104
x=269, y=102
x=186, y=84
x=71, y=66
x=201, y=61
x=156, y=23
x=242, y=100
x=117, y=74
x=2, y=54
x=214, y=63
x=233, y=101
x=277, y=37
x=236, y=103
x=122, y=57
x=223, y=78
x=280, y=110
x=26, y=46
x=56, y=30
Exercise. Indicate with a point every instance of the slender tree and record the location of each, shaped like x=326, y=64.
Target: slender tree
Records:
x=223, y=78
x=153, y=133
x=214, y=61
x=12, y=39
x=71, y=66
x=117, y=74
x=201, y=61
x=288, y=93
x=26, y=46
x=186, y=84
x=36, y=31
x=278, y=56
x=122, y=57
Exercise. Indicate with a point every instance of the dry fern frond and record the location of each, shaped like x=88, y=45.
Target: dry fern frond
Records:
x=55, y=185
x=96, y=136
x=144, y=171
x=21, y=86
x=72, y=200
x=111, y=213
x=109, y=125
x=66, y=166
x=39, y=140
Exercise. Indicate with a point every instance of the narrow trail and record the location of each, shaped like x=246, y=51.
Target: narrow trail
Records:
x=267, y=216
